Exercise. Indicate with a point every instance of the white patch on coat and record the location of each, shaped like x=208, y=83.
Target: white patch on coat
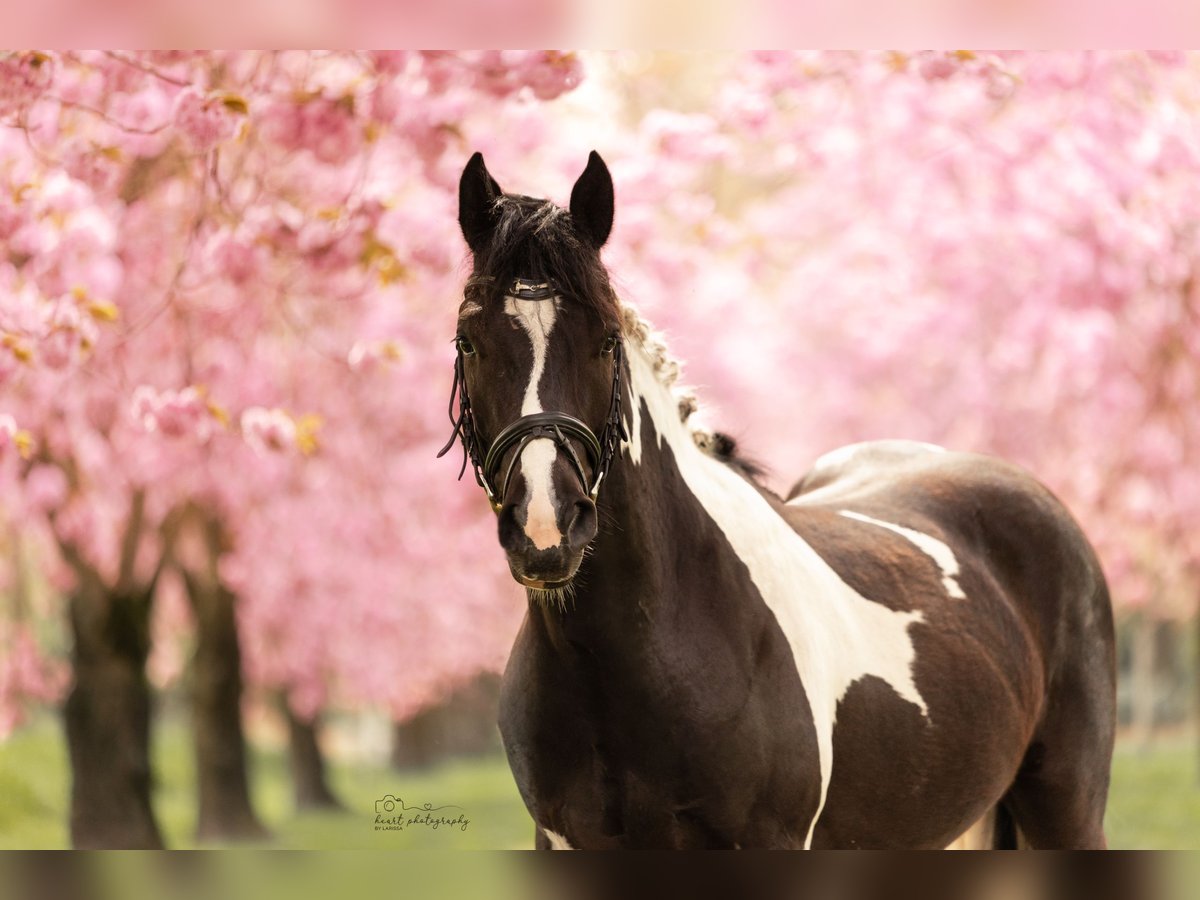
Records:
x=836, y=458
x=842, y=455
x=860, y=479
x=836, y=635
x=865, y=475
x=633, y=427
x=557, y=841
x=979, y=836
x=537, y=318
x=942, y=555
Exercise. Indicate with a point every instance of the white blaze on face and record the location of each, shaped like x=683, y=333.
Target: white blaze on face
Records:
x=537, y=318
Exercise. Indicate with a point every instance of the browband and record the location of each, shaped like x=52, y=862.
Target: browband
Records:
x=524, y=289
x=521, y=288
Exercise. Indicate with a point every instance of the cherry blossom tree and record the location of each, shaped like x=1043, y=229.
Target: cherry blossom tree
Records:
x=993, y=252
x=228, y=285
x=212, y=262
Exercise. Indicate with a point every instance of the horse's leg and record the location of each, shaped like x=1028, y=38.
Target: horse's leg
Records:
x=548, y=840
x=1060, y=792
x=1058, y=807
x=980, y=836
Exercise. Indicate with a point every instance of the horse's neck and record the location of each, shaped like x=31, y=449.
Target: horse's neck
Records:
x=655, y=522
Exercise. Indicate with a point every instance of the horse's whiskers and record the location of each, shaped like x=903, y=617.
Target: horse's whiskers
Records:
x=557, y=596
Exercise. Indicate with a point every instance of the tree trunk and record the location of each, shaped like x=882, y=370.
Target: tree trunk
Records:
x=107, y=718
x=47, y=876
x=225, y=810
x=415, y=741
x=464, y=725
x=308, y=765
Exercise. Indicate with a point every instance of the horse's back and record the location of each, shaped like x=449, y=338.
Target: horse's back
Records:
x=997, y=564
x=865, y=465
x=990, y=514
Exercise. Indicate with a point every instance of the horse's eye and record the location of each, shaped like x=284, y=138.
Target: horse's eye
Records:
x=465, y=347
x=610, y=344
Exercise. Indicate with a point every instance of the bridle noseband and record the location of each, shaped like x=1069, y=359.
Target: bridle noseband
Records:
x=555, y=426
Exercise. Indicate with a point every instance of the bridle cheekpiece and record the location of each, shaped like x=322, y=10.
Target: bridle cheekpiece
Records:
x=555, y=426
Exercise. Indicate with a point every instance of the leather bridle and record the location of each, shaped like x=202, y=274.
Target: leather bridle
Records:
x=555, y=426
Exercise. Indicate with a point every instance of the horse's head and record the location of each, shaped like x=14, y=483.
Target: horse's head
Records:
x=539, y=366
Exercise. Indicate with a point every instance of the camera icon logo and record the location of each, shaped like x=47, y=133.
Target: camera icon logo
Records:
x=388, y=804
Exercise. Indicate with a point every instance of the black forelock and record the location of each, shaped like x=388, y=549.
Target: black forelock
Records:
x=536, y=239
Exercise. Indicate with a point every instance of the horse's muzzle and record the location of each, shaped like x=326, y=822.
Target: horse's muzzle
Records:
x=551, y=567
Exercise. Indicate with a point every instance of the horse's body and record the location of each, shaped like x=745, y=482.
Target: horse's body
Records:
x=912, y=641
x=677, y=701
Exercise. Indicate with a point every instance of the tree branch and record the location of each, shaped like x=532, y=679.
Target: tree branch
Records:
x=147, y=68
x=131, y=539
x=169, y=533
x=70, y=552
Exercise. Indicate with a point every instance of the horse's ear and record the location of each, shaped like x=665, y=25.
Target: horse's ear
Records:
x=592, y=202
x=477, y=195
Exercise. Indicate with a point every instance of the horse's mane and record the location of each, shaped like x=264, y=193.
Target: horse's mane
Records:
x=535, y=238
x=668, y=369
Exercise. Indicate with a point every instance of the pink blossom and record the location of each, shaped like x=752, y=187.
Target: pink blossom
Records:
x=205, y=120
x=8, y=432
x=367, y=355
x=548, y=73
x=239, y=260
x=385, y=101
x=268, y=430
x=390, y=62
x=77, y=522
x=937, y=66
x=26, y=674
x=10, y=217
x=173, y=414
x=145, y=116
x=327, y=128
x=67, y=335
x=551, y=74
x=85, y=164
x=692, y=137
x=45, y=488
x=24, y=76
x=330, y=132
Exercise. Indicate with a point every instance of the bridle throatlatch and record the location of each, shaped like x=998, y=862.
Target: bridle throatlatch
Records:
x=555, y=426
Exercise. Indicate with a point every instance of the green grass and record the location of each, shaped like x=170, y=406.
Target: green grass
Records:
x=1155, y=800
x=34, y=796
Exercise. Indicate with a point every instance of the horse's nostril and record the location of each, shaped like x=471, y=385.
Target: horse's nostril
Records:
x=512, y=535
x=583, y=525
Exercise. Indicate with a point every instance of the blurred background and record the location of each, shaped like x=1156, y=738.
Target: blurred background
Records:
x=240, y=599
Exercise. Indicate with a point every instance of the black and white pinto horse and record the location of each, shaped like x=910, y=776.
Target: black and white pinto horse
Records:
x=913, y=649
